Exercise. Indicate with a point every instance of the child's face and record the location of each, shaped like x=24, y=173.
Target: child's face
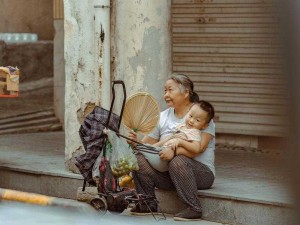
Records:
x=196, y=118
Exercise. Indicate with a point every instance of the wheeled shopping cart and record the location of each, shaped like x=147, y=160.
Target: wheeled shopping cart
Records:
x=110, y=195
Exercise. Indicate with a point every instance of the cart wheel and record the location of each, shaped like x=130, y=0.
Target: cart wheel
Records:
x=100, y=205
x=116, y=205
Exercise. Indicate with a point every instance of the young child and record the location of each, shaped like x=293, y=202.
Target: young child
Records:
x=187, y=135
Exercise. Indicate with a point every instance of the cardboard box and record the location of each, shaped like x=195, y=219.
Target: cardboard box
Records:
x=9, y=82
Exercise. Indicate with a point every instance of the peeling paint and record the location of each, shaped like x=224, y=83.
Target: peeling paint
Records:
x=143, y=46
x=146, y=20
x=87, y=110
x=81, y=90
x=70, y=163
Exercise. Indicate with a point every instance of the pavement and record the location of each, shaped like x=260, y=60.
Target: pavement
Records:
x=241, y=174
x=15, y=213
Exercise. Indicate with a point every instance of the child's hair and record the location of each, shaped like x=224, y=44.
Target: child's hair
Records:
x=207, y=107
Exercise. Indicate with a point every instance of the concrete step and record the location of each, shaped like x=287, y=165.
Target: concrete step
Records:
x=62, y=185
x=26, y=116
x=231, y=210
x=34, y=162
x=249, y=189
x=35, y=121
x=30, y=122
x=218, y=207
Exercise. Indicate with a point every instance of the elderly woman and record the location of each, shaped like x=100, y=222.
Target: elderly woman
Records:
x=188, y=171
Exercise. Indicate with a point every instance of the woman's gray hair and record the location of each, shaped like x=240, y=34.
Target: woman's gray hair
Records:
x=185, y=84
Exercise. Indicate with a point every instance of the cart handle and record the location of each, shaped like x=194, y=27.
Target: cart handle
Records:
x=113, y=100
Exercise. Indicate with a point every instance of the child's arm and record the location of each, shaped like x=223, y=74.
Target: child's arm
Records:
x=190, y=146
x=183, y=151
x=192, y=149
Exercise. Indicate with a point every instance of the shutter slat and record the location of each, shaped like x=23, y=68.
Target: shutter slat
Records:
x=206, y=20
x=222, y=10
x=226, y=59
x=188, y=39
x=236, y=89
x=212, y=2
x=243, y=98
x=251, y=118
x=225, y=30
x=250, y=129
x=237, y=80
x=227, y=70
x=227, y=65
x=227, y=50
x=236, y=108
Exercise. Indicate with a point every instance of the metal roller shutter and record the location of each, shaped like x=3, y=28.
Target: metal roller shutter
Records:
x=231, y=50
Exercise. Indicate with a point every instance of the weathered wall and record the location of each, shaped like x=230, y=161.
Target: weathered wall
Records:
x=140, y=57
x=82, y=80
x=58, y=61
x=142, y=45
x=27, y=16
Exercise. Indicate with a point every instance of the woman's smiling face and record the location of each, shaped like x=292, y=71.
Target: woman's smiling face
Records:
x=173, y=95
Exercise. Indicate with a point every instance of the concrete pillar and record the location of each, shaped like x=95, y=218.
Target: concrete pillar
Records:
x=141, y=50
x=58, y=61
x=82, y=78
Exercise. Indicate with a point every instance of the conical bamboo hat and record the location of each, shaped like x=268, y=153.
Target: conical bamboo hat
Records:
x=141, y=113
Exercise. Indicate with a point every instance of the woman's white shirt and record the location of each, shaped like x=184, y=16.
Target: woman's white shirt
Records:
x=167, y=125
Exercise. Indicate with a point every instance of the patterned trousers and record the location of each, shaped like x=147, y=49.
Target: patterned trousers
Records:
x=185, y=175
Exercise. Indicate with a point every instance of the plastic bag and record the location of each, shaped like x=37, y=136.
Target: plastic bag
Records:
x=95, y=171
x=151, y=154
x=156, y=162
x=122, y=159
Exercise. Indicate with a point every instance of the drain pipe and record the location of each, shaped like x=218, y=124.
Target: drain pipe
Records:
x=102, y=47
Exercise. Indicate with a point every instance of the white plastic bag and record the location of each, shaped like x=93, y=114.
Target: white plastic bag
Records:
x=122, y=159
x=95, y=171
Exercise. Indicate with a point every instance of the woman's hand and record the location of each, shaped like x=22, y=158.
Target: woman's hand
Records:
x=166, y=154
x=132, y=135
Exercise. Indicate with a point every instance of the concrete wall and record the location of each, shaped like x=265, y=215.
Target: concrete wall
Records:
x=23, y=16
x=81, y=79
x=35, y=60
x=59, y=71
x=141, y=51
x=140, y=56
